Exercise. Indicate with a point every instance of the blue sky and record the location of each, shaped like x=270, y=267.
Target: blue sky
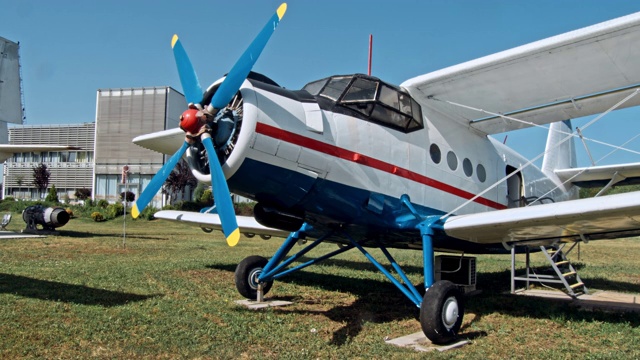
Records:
x=70, y=49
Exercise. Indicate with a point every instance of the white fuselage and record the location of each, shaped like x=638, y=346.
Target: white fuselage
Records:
x=324, y=145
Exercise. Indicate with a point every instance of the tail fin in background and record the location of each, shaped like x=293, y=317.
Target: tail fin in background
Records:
x=559, y=154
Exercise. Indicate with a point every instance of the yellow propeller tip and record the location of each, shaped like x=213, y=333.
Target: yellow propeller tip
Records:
x=281, y=10
x=135, y=212
x=174, y=40
x=232, y=240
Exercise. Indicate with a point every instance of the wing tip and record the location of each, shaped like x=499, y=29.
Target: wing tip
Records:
x=174, y=40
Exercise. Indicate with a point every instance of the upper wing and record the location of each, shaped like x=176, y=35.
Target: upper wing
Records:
x=7, y=150
x=247, y=224
x=591, y=219
x=575, y=74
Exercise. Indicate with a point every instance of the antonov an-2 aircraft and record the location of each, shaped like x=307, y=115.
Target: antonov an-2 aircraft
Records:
x=356, y=161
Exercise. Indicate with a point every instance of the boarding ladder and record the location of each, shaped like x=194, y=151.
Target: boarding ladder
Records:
x=561, y=272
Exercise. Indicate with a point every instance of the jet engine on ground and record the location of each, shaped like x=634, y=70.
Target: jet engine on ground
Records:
x=48, y=218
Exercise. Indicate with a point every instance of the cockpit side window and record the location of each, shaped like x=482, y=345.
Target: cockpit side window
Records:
x=335, y=87
x=389, y=97
x=315, y=87
x=361, y=90
x=372, y=100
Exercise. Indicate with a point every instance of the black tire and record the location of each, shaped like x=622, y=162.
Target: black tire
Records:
x=207, y=230
x=246, y=277
x=265, y=237
x=441, y=312
x=249, y=235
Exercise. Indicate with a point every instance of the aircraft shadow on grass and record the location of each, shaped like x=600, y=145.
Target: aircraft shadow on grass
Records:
x=68, y=293
x=380, y=302
x=82, y=234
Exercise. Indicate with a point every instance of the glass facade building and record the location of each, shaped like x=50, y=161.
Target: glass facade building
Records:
x=70, y=170
x=106, y=147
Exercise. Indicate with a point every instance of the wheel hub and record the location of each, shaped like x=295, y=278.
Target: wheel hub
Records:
x=450, y=312
x=253, y=278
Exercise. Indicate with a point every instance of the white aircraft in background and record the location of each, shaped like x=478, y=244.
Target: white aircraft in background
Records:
x=353, y=160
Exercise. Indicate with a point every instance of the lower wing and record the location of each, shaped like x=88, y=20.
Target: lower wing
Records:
x=247, y=224
x=604, y=217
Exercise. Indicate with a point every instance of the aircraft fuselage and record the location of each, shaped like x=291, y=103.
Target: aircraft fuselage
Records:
x=316, y=158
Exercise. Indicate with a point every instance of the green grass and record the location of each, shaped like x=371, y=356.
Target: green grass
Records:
x=170, y=294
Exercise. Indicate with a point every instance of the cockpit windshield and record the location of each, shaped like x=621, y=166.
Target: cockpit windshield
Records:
x=371, y=99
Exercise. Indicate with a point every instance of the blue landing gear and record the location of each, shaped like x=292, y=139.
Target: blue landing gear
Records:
x=246, y=276
x=441, y=312
x=441, y=307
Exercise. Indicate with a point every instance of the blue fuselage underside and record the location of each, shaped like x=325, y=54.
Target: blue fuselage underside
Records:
x=328, y=205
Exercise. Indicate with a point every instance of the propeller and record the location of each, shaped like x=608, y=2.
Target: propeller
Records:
x=188, y=77
x=191, y=119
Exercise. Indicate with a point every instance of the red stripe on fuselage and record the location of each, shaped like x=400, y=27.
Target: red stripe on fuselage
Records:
x=355, y=157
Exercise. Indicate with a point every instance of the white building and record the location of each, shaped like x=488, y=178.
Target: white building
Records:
x=106, y=147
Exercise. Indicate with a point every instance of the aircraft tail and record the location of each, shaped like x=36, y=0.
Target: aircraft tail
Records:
x=559, y=152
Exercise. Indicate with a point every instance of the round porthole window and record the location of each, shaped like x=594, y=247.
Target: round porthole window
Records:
x=452, y=160
x=434, y=151
x=482, y=174
x=467, y=167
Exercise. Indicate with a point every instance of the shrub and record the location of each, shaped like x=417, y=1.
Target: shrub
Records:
x=96, y=216
x=197, y=193
x=147, y=213
x=114, y=210
x=52, y=196
x=89, y=203
x=188, y=206
x=168, y=207
x=9, y=198
x=207, y=197
x=83, y=194
x=102, y=203
x=131, y=197
x=244, y=208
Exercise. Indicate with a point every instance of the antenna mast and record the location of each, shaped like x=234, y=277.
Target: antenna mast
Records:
x=370, y=50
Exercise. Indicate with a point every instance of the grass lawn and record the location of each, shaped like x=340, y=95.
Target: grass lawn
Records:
x=170, y=294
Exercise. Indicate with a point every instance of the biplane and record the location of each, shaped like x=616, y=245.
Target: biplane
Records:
x=362, y=163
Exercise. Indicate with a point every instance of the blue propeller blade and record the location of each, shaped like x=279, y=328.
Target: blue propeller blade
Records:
x=156, y=183
x=242, y=67
x=188, y=76
x=221, y=195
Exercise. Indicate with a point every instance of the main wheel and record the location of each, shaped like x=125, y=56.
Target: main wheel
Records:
x=246, y=275
x=441, y=312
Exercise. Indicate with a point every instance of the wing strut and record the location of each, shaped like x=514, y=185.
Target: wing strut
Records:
x=528, y=163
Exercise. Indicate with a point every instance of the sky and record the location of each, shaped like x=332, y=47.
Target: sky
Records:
x=70, y=49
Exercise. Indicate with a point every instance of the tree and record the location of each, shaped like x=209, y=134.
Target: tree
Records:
x=178, y=180
x=52, y=196
x=83, y=194
x=131, y=197
x=41, y=175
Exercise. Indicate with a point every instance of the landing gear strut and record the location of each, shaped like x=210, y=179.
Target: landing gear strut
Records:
x=441, y=312
x=441, y=307
x=246, y=276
